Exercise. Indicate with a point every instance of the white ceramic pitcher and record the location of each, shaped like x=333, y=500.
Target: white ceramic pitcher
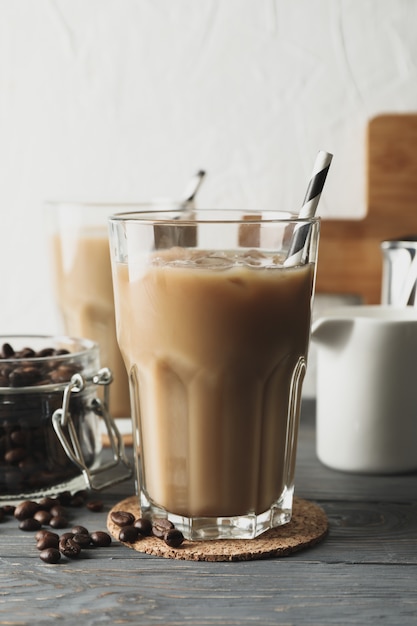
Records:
x=367, y=389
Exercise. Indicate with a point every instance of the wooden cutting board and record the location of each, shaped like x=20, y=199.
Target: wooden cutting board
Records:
x=350, y=259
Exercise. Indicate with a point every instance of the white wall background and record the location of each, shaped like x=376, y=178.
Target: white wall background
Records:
x=125, y=99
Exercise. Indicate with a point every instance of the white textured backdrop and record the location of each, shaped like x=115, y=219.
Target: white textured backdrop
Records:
x=125, y=99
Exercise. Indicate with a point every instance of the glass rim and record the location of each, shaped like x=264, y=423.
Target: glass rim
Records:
x=152, y=202
x=209, y=216
x=85, y=346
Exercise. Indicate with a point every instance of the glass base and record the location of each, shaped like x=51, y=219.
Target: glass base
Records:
x=236, y=527
x=73, y=485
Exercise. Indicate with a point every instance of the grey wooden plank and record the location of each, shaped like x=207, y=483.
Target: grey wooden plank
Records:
x=290, y=592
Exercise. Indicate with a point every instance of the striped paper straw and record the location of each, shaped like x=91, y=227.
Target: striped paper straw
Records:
x=308, y=210
x=316, y=184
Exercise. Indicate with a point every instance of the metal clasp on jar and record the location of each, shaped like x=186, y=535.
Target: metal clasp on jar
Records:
x=106, y=474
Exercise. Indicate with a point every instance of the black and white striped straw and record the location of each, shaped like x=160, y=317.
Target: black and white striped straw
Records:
x=316, y=184
x=308, y=210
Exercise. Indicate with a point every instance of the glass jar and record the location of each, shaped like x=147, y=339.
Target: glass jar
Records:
x=51, y=418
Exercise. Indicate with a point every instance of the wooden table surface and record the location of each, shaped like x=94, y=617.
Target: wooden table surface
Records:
x=364, y=572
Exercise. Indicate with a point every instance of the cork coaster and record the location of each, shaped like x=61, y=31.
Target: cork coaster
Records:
x=308, y=526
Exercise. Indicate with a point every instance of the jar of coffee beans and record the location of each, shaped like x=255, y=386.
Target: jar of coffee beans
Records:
x=53, y=403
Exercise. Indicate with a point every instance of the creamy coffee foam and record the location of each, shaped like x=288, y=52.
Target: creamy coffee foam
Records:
x=213, y=341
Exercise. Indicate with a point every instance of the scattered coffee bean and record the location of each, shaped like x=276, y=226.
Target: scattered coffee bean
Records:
x=44, y=517
x=79, y=529
x=81, y=493
x=77, y=502
x=129, y=534
x=95, y=506
x=69, y=548
x=30, y=524
x=58, y=521
x=50, y=540
x=160, y=526
x=50, y=555
x=51, y=545
x=42, y=532
x=8, y=509
x=144, y=525
x=82, y=539
x=64, y=498
x=100, y=538
x=122, y=518
x=173, y=538
x=46, y=503
x=58, y=511
x=25, y=509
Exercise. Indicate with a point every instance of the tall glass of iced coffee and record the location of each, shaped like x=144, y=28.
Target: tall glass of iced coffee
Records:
x=83, y=285
x=213, y=321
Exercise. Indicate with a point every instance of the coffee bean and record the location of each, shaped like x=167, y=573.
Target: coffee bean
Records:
x=24, y=376
x=81, y=493
x=129, y=534
x=43, y=532
x=45, y=352
x=50, y=540
x=58, y=511
x=29, y=523
x=47, y=503
x=28, y=465
x=173, y=538
x=25, y=509
x=144, y=525
x=27, y=353
x=68, y=535
x=7, y=351
x=18, y=437
x=122, y=518
x=77, y=502
x=69, y=548
x=8, y=509
x=64, y=498
x=44, y=517
x=50, y=555
x=79, y=530
x=100, y=538
x=61, y=351
x=95, y=506
x=63, y=373
x=15, y=455
x=58, y=521
x=160, y=526
x=82, y=539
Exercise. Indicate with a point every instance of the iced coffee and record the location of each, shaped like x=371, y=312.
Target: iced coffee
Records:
x=215, y=343
x=83, y=287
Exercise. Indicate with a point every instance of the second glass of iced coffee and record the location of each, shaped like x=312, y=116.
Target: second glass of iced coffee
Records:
x=213, y=322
